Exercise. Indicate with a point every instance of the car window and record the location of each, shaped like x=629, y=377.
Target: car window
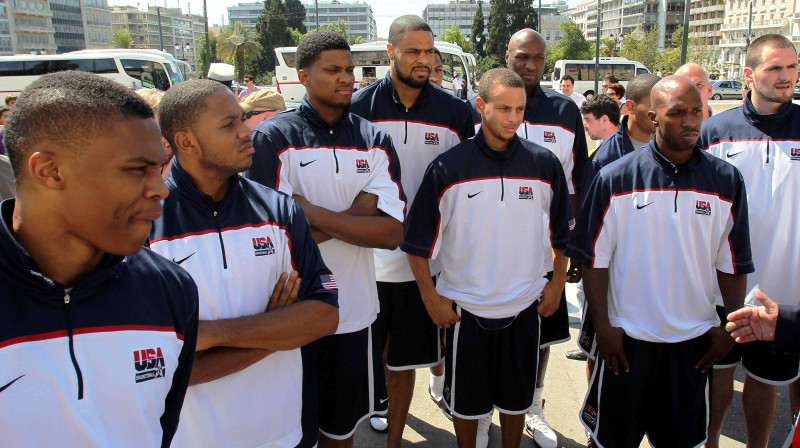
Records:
x=725, y=85
x=737, y=84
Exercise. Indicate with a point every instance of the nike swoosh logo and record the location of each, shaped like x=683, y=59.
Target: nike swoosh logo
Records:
x=731, y=154
x=639, y=207
x=183, y=259
x=382, y=401
x=473, y=195
x=12, y=382
x=307, y=163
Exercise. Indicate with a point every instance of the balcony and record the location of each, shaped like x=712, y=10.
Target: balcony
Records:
x=97, y=23
x=49, y=48
x=16, y=10
x=33, y=29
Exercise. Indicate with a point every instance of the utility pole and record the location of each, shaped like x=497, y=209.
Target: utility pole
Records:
x=539, y=18
x=316, y=13
x=685, y=42
x=597, y=53
x=160, y=34
x=207, y=49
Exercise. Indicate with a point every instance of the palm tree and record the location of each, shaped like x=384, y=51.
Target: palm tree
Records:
x=235, y=42
x=121, y=39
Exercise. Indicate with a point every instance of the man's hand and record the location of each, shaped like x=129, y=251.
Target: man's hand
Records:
x=609, y=344
x=551, y=299
x=574, y=272
x=285, y=292
x=754, y=323
x=721, y=345
x=440, y=309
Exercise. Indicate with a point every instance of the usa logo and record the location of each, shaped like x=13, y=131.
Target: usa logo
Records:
x=149, y=364
x=525, y=193
x=549, y=137
x=431, y=138
x=703, y=208
x=362, y=166
x=795, y=154
x=590, y=415
x=263, y=246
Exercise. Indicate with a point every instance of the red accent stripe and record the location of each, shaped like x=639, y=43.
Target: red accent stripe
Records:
x=550, y=124
x=289, y=243
x=87, y=330
x=421, y=122
x=436, y=236
x=710, y=193
x=490, y=178
x=226, y=229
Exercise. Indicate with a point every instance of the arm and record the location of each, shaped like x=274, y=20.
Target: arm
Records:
x=439, y=308
x=551, y=293
x=609, y=339
x=218, y=362
x=364, y=204
x=732, y=287
x=756, y=323
x=574, y=270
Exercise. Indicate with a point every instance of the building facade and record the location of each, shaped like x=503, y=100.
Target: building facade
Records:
x=68, y=24
x=31, y=26
x=622, y=17
x=442, y=17
x=705, y=17
x=6, y=46
x=96, y=23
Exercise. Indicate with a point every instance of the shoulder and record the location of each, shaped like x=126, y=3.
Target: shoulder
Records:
x=260, y=196
x=366, y=93
x=149, y=267
x=559, y=100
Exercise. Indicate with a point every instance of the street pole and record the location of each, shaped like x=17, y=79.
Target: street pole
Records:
x=160, y=34
x=207, y=49
x=685, y=42
x=316, y=13
x=597, y=53
x=749, y=32
x=539, y=18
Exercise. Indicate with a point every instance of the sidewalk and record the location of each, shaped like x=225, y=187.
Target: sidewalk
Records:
x=564, y=391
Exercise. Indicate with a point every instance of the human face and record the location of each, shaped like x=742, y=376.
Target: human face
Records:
x=501, y=115
x=526, y=57
x=249, y=83
x=222, y=136
x=678, y=118
x=595, y=127
x=329, y=81
x=639, y=115
x=567, y=87
x=3, y=117
x=437, y=72
x=11, y=102
x=613, y=94
x=113, y=186
x=773, y=79
x=412, y=57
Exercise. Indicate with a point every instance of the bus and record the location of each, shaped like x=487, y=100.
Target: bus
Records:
x=372, y=60
x=583, y=72
x=132, y=68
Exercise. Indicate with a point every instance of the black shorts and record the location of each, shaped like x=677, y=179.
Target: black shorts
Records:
x=663, y=396
x=760, y=361
x=347, y=367
x=586, y=336
x=491, y=363
x=414, y=341
x=555, y=328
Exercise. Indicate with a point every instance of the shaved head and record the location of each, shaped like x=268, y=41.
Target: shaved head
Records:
x=526, y=56
x=670, y=87
x=677, y=113
x=523, y=36
x=692, y=70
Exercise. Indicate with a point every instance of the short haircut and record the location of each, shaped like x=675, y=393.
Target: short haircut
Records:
x=600, y=105
x=250, y=77
x=183, y=104
x=617, y=88
x=4, y=109
x=405, y=23
x=152, y=96
x=503, y=76
x=611, y=78
x=438, y=53
x=11, y=97
x=69, y=109
x=755, y=53
x=311, y=47
x=568, y=78
x=639, y=86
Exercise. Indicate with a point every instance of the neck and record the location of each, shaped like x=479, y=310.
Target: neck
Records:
x=677, y=157
x=706, y=111
x=37, y=230
x=408, y=95
x=609, y=132
x=211, y=182
x=763, y=106
x=493, y=142
x=529, y=91
x=635, y=132
x=330, y=114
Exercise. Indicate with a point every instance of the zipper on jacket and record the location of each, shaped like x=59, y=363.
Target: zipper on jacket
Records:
x=336, y=159
x=676, y=190
x=221, y=243
x=768, y=140
x=405, y=140
x=72, y=348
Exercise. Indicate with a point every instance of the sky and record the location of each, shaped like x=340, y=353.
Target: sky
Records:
x=385, y=11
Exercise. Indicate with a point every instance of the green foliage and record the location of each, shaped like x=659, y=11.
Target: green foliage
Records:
x=477, y=30
x=607, y=46
x=453, y=35
x=696, y=51
x=572, y=45
x=204, y=61
x=237, y=43
x=505, y=18
x=643, y=48
x=121, y=39
x=296, y=13
x=487, y=63
x=339, y=27
x=272, y=31
x=522, y=15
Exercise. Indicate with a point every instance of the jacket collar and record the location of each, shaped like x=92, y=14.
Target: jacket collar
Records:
x=311, y=115
x=500, y=156
x=694, y=163
x=627, y=145
x=179, y=181
x=422, y=99
x=767, y=121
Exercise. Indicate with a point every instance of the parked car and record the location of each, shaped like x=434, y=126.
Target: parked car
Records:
x=726, y=89
x=796, y=93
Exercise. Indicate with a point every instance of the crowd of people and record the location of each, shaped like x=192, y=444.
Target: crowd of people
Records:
x=179, y=268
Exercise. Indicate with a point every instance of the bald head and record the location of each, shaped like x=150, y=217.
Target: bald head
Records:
x=697, y=74
x=677, y=113
x=670, y=88
x=526, y=55
x=525, y=35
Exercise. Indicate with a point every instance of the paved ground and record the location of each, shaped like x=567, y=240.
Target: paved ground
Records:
x=564, y=391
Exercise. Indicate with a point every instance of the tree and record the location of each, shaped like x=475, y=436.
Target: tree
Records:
x=237, y=42
x=121, y=39
x=696, y=51
x=272, y=31
x=522, y=15
x=453, y=35
x=296, y=14
x=477, y=37
x=204, y=61
x=641, y=47
x=572, y=45
x=499, y=29
x=487, y=63
x=339, y=27
x=607, y=45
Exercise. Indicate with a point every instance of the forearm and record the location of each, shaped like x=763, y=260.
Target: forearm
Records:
x=575, y=202
x=733, y=288
x=595, y=286
x=422, y=274
x=383, y=232
x=364, y=204
x=285, y=328
x=218, y=362
x=559, y=267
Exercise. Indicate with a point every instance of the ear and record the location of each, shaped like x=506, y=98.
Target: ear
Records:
x=302, y=75
x=390, y=50
x=45, y=169
x=507, y=57
x=186, y=141
x=651, y=114
x=480, y=105
x=748, y=75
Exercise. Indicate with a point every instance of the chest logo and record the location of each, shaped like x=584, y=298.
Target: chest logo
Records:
x=149, y=364
x=703, y=208
x=525, y=193
x=362, y=166
x=549, y=137
x=431, y=138
x=795, y=154
x=263, y=246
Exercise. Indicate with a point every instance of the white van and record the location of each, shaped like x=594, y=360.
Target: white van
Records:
x=372, y=60
x=583, y=72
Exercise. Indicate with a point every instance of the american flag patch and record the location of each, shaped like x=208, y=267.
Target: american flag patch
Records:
x=571, y=225
x=328, y=282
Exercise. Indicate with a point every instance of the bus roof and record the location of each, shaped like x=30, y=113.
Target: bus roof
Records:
x=381, y=45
